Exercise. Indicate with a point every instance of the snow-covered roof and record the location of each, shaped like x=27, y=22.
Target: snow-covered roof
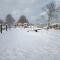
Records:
x=55, y=23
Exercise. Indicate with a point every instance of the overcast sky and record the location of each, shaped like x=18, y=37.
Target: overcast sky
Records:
x=30, y=8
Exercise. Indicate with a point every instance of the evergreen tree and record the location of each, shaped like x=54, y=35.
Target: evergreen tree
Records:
x=9, y=20
x=23, y=19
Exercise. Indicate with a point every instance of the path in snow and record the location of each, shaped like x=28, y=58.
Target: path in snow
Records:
x=18, y=44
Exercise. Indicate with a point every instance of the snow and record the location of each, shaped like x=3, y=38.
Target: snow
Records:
x=18, y=44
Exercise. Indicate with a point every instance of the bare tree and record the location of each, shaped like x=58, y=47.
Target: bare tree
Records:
x=51, y=10
x=51, y=7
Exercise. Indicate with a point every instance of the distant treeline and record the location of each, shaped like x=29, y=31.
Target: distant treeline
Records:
x=10, y=21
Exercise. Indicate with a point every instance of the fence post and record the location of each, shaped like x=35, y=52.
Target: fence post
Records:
x=1, y=28
x=6, y=27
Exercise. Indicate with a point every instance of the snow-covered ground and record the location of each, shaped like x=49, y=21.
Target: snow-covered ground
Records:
x=18, y=44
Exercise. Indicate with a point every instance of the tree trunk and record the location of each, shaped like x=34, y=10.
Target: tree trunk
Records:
x=48, y=21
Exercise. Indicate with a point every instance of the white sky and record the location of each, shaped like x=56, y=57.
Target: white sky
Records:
x=30, y=8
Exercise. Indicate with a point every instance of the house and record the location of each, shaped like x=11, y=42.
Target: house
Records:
x=25, y=25
x=55, y=26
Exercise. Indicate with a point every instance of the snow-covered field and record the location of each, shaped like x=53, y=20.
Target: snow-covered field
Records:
x=18, y=44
